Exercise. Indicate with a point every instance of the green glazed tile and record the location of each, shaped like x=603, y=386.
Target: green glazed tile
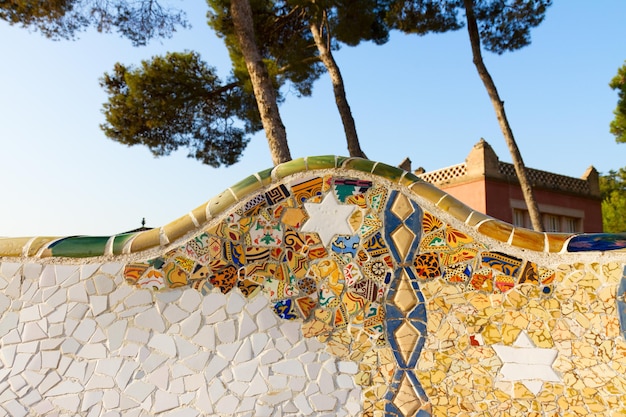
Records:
x=221, y=202
x=80, y=246
x=321, y=162
x=246, y=186
x=265, y=176
x=408, y=179
x=359, y=164
x=283, y=170
x=387, y=171
x=119, y=241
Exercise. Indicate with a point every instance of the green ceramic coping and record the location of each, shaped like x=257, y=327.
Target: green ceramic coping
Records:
x=322, y=162
x=359, y=164
x=265, y=176
x=79, y=246
x=119, y=241
x=288, y=168
x=246, y=186
x=409, y=179
x=387, y=171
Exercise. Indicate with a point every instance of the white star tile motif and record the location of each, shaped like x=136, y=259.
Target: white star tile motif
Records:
x=526, y=363
x=328, y=218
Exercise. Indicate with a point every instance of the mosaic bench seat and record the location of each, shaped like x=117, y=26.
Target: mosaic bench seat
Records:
x=323, y=286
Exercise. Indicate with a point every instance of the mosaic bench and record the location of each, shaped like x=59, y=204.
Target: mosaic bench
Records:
x=324, y=286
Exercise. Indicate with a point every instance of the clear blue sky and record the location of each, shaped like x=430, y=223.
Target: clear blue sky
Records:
x=415, y=96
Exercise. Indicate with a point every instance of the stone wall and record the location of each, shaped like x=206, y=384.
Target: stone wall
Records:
x=325, y=286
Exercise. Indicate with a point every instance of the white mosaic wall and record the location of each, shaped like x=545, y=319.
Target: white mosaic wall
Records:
x=77, y=340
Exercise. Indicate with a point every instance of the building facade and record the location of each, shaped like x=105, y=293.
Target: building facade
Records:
x=483, y=182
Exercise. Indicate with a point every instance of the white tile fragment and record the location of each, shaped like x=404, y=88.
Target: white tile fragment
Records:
x=104, y=284
x=12, y=337
x=111, y=268
x=212, y=302
x=257, y=386
x=153, y=361
x=76, y=370
x=150, y=319
x=247, y=326
x=78, y=293
x=174, y=314
x=111, y=399
x=139, y=390
x=215, y=366
x=205, y=338
x=348, y=367
x=125, y=373
x=266, y=319
x=91, y=398
x=303, y=405
x=198, y=361
x=66, y=274
x=160, y=377
x=84, y=330
x=323, y=402
x=227, y=405
x=30, y=314
x=271, y=356
x=64, y=388
x=8, y=322
x=289, y=367
x=32, y=331
x=259, y=342
x=184, y=347
x=50, y=359
x=92, y=351
x=32, y=271
x=115, y=334
x=245, y=371
x=275, y=398
x=217, y=317
x=99, y=304
x=292, y=330
x=87, y=270
x=8, y=269
x=228, y=350
x=109, y=366
x=15, y=409
x=244, y=353
x=13, y=289
x=182, y=412
x=190, y=326
x=235, y=303
x=190, y=300
x=139, y=297
x=100, y=382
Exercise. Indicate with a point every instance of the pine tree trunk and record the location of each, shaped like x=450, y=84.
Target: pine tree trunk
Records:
x=262, y=85
x=349, y=127
x=498, y=105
